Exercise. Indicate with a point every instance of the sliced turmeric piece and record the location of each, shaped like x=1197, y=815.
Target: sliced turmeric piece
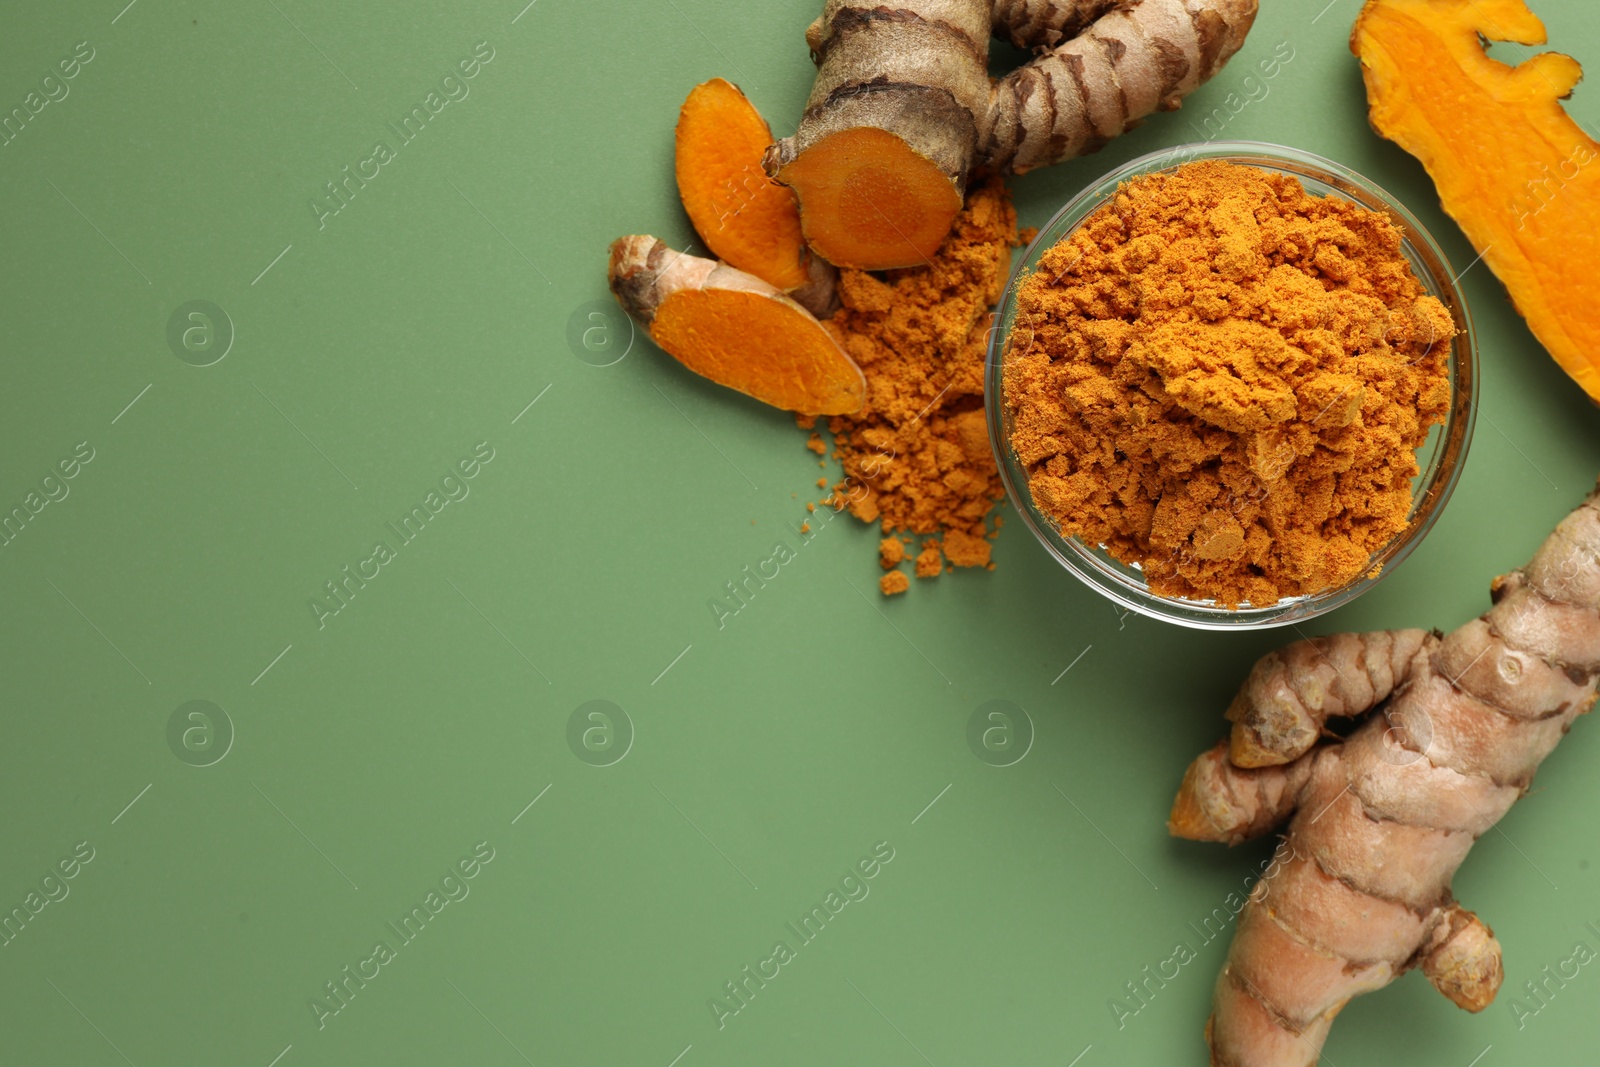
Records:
x=743, y=216
x=734, y=328
x=1511, y=166
x=871, y=200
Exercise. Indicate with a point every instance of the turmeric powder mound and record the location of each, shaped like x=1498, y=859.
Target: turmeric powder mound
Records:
x=916, y=457
x=1223, y=379
x=890, y=553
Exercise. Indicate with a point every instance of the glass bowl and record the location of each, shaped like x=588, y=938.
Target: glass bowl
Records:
x=1440, y=457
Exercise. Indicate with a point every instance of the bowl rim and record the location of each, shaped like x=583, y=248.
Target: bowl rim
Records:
x=1446, y=458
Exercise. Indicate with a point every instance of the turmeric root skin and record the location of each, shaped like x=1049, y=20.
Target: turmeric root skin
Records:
x=1131, y=61
x=1045, y=24
x=1379, y=823
x=1464, y=962
x=1291, y=693
x=734, y=328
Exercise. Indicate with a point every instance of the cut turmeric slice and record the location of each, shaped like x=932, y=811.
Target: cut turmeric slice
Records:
x=743, y=216
x=734, y=328
x=1512, y=168
x=871, y=200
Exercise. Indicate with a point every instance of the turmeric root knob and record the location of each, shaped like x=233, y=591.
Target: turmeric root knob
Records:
x=1464, y=963
x=734, y=328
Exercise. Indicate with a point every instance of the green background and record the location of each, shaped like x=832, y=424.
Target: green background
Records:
x=766, y=757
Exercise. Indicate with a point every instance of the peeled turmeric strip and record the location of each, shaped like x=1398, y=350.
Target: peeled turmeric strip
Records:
x=1511, y=166
x=891, y=129
x=734, y=328
x=743, y=216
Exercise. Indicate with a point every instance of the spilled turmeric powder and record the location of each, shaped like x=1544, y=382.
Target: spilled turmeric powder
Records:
x=1223, y=379
x=916, y=457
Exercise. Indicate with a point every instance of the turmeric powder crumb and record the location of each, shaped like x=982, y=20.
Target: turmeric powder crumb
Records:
x=916, y=457
x=1223, y=380
x=815, y=443
x=805, y=527
x=890, y=553
x=894, y=582
x=929, y=563
x=965, y=550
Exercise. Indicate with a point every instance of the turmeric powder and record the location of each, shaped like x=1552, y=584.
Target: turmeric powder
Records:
x=916, y=457
x=1223, y=380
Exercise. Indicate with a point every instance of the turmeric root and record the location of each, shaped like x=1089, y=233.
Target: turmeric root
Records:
x=1379, y=822
x=743, y=216
x=891, y=128
x=902, y=110
x=1512, y=168
x=734, y=328
x=1132, y=60
x=1045, y=24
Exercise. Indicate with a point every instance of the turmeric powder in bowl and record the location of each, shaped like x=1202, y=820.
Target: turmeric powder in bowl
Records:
x=1222, y=379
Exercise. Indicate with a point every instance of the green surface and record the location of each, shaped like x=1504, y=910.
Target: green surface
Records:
x=371, y=754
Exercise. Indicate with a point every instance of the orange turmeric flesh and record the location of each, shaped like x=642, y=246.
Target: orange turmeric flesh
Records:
x=869, y=201
x=734, y=328
x=768, y=349
x=1512, y=168
x=743, y=216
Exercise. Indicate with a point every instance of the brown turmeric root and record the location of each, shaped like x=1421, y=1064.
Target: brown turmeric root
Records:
x=903, y=111
x=1512, y=168
x=743, y=216
x=1045, y=24
x=1132, y=60
x=734, y=328
x=891, y=128
x=1379, y=822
